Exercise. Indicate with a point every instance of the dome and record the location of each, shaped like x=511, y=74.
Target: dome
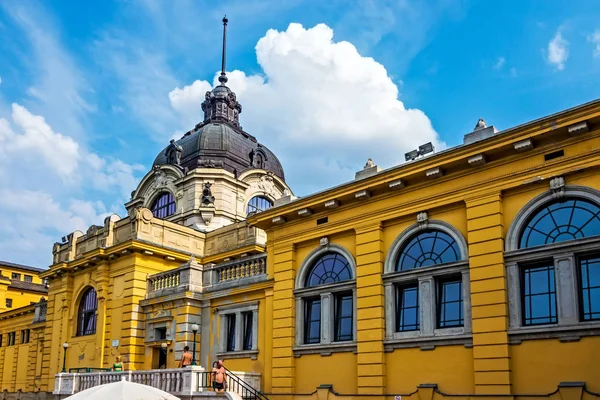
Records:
x=221, y=145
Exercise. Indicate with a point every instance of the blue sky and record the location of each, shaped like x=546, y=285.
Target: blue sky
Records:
x=90, y=92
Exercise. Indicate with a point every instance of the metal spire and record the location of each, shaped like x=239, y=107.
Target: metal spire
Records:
x=223, y=77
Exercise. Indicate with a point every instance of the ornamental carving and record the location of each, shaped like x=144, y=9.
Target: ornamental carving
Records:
x=422, y=220
x=557, y=185
x=160, y=179
x=266, y=183
x=207, y=197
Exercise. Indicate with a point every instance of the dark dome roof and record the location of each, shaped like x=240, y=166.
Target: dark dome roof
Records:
x=220, y=145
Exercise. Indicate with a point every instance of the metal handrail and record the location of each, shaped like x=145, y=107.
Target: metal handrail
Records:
x=247, y=392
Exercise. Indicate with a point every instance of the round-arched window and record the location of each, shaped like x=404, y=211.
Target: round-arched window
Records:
x=258, y=204
x=164, y=205
x=329, y=268
x=560, y=221
x=86, y=316
x=426, y=249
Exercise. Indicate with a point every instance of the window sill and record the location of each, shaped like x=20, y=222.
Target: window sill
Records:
x=428, y=342
x=324, y=349
x=571, y=333
x=228, y=355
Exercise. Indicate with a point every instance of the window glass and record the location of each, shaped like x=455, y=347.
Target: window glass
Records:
x=343, y=317
x=28, y=278
x=164, y=205
x=589, y=277
x=16, y=276
x=450, y=303
x=427, y=249
x=539, y=295
x=312, y=321
x=560, y=221
x=330, y=268
x=231, y=332
x=87, y=313
x=258, y=204
x=407, y=308
x=8, y=303
x=247, y=319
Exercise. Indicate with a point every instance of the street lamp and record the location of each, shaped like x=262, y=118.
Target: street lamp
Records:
x=195, y=328
x=65, y=347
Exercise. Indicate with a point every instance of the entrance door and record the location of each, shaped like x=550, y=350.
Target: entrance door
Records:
x=159, y=358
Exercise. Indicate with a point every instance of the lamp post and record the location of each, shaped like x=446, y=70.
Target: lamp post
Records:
x=195, y=328
x=65, y=347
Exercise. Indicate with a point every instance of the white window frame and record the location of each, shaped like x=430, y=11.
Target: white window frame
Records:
x=426, y=278
x=238, y=309
x=564, y=255
x=328, y=294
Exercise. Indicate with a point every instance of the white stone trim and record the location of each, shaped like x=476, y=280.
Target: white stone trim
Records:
x=533, y=206
x=408, y=233
x=238, y=309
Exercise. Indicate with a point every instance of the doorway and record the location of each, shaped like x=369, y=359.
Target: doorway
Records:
x=159, y=357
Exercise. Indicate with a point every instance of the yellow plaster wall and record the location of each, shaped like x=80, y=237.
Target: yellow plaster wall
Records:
x=338, y=369
x=451, y=367
x=539, y=365
x=7, y=272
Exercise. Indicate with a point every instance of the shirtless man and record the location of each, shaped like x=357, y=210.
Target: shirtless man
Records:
x=186, y=358
x=219, y=376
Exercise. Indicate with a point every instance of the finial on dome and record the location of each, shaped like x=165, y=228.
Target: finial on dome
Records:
x=223, y=77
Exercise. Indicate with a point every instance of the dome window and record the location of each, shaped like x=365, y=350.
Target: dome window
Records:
x=164, y=205
x=258, y=204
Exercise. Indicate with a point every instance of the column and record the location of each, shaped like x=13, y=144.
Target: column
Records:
x=370, y=308
x=489, y=297
x=205, y=329
x=283, y=262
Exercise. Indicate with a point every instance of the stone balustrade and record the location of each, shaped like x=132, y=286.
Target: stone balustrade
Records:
x=193, y=381
x=242, y=268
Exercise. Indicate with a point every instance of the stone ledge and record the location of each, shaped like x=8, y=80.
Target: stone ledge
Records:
x=228, y=355
x=324, y=349
x=428, y=342
x=572, y=333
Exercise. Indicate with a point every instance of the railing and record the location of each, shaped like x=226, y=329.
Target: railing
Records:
x=164, y=280
x=244, y=268
x=189, y=381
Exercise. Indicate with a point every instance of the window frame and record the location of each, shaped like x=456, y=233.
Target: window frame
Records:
x=27, y=278
x=9, y=303
x=427, y=281
x=25, y=336
x=565, y=256
x=260, y=197
x=15, y=276
x=159, y=196
x=12, y=339
x=238, y=310
x=327, y=293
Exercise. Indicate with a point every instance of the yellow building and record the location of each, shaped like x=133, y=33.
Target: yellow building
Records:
x=473, y=271
x=20, y=285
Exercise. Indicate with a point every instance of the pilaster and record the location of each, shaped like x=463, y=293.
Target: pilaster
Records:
x=284, y=262
x=370, y=309
x=489, y=297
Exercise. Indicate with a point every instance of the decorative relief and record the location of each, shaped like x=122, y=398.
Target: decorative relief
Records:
x=557, y=185
x=207, y=197
x=422, y=220
x=160, y=178
x=266, y=183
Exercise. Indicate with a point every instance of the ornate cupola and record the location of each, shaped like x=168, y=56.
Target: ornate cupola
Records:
x=220, y=104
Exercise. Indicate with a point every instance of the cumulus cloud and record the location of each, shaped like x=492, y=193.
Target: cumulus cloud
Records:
x=321, y=106
x=45, y=178
x=558, y=51
x=594, y=38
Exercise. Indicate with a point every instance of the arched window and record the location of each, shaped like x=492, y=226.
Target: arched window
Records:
x=258, y=204
x=553, y=261
x=330, y=268
x=164, y=205
x=426, y=249
x=427, y=283
x=325, y=306
x=86, y=317
x=560, y=221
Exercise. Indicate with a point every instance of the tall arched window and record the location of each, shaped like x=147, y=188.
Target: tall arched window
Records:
x=86, y=316
x=258, y=204
x=553, y=262
x=427, y=284
x=164, y=205
x=325, y=297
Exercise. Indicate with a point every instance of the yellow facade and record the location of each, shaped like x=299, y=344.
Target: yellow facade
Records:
x=154, y=280
x=20, y=286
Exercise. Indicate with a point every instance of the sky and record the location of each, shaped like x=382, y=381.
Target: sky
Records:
x=91, y=92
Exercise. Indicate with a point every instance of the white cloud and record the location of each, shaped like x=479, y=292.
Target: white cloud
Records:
x=321, y=106
x=499, y=63
x=595, y=39
x=45, y=178
x=558, y=51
